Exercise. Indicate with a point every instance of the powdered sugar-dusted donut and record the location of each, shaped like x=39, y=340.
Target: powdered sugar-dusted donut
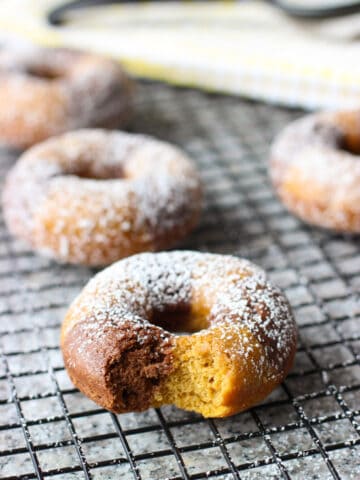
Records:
x=94, y=196
x=119, y=350
x=45, y=92
x=315, y=168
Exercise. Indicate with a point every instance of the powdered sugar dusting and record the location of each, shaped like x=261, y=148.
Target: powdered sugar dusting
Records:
x=240, y=300
x=138, y=194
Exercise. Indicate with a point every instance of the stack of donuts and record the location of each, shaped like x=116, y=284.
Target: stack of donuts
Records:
x=84, y=192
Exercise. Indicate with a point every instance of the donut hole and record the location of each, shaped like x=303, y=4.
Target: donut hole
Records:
x=110, y=174
x=92, y=172
x=350, y=144
x=43, y=73
x=179, y=321
x=339, y=137
x=348, y=124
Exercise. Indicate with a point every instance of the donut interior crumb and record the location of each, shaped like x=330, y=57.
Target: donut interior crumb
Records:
x=199, y=380
x=202, y=377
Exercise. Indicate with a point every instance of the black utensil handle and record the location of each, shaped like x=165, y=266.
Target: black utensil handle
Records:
x=56, y=16
x=318, y=12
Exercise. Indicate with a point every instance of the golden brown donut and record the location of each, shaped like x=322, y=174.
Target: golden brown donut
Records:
x=315, y=168
x=93, y=196
x=47, y=91
x=119, y=350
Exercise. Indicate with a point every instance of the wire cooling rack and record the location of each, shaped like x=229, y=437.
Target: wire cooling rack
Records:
x=307, y=429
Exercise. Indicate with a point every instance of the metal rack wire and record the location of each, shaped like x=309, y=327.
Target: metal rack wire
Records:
x=309, y=428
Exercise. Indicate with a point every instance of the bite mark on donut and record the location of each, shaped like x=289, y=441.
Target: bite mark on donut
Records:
x=139, y=370
x=132, y=362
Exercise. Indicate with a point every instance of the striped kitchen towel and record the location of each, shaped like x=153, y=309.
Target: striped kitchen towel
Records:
x=246, y=48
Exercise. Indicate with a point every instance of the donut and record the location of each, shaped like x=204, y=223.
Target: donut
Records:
x=315, y=169
x=94, y=196
x=48, y=91
x=122, y=345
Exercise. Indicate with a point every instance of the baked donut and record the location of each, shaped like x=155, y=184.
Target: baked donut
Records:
x=119, y=350
x=94, y=196
x=315, y=168
x=48, y=91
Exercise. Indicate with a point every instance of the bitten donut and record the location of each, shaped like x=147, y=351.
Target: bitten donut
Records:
x=119, y=350
x=45, y=92
x=93, y=196
x=315, y=168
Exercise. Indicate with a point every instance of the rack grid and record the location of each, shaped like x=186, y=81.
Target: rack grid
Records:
x=309, y=428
